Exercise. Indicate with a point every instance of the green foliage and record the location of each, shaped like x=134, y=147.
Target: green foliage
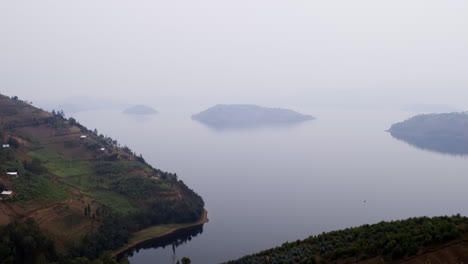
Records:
x=393, y=240
x=140, y=188
x=38, y=189
x=112, y=234
x=35, y=166
x=111, y=168
x=57, y=121
x=14, y=143
x=14, y=167
x=186, y=260
x=69, y=144
x=117, y=202
x=123, y=203
x=23, y=242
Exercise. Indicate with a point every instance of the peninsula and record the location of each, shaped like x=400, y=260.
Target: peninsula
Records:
x=445, y=133
x=72, y=192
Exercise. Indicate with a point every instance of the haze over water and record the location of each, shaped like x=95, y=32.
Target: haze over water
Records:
x=351, y=64
x=265, y=186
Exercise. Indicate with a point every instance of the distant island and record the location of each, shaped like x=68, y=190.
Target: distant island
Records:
x=446, y=133
x=244, y=115
x=140, y=110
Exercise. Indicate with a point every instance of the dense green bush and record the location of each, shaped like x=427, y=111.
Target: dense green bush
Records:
x=394, y=240
x=23, y=242
x=14, y=143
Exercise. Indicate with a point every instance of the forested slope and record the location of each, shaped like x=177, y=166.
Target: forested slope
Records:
x=84, y=190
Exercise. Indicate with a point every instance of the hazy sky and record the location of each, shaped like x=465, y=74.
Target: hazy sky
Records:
x=237, y=51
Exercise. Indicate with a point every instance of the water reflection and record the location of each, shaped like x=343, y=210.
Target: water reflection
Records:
x=140, y=118
x=251, y=126
x=451, y=145
x=173, y=240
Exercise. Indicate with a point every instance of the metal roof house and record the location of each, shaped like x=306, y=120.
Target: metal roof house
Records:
x=8, y=193
x=12, y=173
x=83, y=136
x=6, y=145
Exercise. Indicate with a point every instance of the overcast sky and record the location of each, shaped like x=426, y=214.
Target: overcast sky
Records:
x=265, y=51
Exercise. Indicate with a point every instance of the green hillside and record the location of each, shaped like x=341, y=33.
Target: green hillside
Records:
x=80, y=187
x=414, y=239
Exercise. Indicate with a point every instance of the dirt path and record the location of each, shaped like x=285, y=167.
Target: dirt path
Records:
x=37, y=212
x=203, y=220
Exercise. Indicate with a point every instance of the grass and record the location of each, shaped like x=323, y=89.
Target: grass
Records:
x=112, y=199
x=38, y=189
x=76, y=173
x=154, y=232
x=45, y=155
x=81, y=174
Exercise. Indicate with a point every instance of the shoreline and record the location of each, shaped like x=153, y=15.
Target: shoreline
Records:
x=203, y=220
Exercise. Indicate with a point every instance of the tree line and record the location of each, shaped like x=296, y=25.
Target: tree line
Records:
x=392, y=240
x=24, y=243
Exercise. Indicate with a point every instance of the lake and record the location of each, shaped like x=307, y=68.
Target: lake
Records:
x=269, y=185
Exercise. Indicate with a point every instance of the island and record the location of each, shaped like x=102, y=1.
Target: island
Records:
x=140, y=110
x=245, y=115
x=444, y=133
x=69, y=193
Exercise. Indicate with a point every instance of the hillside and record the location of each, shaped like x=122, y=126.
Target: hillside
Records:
x=84, y=190
x=235, y=116
x=446, y=133
x=415, y=240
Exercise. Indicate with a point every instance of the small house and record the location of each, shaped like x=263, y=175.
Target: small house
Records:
x=102, y=149
x=83, y=136
x=7, y=193
x=6, y=145
x=12, y=173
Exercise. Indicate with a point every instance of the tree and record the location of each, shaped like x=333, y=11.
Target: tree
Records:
x=186, y=260
x=72, y=121
x=13, y=142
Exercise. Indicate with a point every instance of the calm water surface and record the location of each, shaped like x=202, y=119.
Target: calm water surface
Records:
x=265, y=186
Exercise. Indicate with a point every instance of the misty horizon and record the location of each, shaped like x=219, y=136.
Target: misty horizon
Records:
x=215, y=129
x=275, y=53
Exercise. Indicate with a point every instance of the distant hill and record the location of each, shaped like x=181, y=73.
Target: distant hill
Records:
x=446, y=133
x=243, y=115
x=83, y=189
x=140, y=110
x=415, y=240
